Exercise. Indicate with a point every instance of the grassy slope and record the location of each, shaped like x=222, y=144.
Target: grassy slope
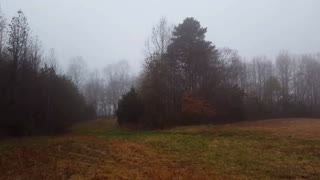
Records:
x=266, y=150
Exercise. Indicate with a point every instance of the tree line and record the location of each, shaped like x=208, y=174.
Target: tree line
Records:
x=187, y=80
x=34, y=97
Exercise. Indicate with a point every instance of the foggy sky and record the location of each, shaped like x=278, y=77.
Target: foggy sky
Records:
x=104, y=31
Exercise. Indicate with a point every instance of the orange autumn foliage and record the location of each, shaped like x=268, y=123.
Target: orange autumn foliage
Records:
x=195, y=108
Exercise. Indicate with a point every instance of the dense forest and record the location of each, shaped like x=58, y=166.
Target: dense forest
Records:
x=185, y=80
x=35, y=98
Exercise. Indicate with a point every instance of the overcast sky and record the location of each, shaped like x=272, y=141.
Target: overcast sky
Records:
x=104, y=31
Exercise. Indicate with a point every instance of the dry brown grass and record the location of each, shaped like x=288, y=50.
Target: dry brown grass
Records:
x=294, y=127
x=287, y=148
x=88, y=157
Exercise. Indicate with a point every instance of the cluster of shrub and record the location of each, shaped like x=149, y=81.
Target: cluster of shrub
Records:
x=34, y=98
x=186, y=80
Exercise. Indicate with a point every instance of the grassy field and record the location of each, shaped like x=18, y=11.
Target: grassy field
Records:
x=269, y=149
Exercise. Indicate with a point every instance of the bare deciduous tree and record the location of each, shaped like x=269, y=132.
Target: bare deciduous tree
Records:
x=93, y=91
x=2, y=33
x=233, y=68
x=284, y=65
x=51, y=60
x=117, y=79
x=160, y=38
x=77, y=71
x=18, y=38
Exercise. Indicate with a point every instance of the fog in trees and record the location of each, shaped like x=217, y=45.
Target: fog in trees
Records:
x=193, y=82
x=35, y=99
x=185, y=79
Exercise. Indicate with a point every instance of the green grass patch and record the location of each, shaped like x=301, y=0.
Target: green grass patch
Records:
x=226, y=151
x=251, y=153
x=231, y=151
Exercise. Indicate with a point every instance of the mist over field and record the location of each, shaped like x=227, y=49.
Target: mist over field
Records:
x=159, y=89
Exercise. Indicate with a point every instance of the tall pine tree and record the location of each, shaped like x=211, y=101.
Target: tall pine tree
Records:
x=191, y=55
